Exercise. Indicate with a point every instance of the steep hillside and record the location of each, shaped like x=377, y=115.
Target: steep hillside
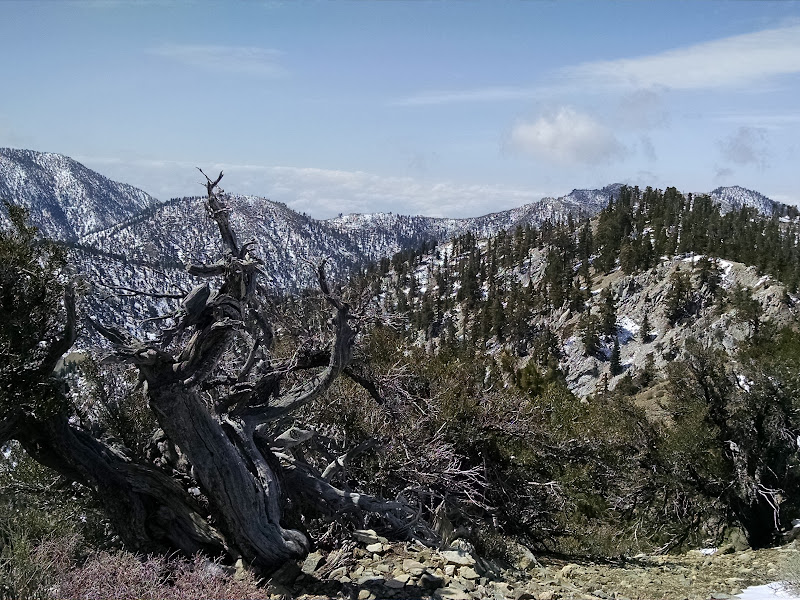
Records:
x=736, y=197
x=123, y=238
x=650, y=273
x=179, y=232
x=602, y=374
x=65, y=199
x=72, y=203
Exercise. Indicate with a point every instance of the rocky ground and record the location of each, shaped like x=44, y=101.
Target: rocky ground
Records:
x=370, y=568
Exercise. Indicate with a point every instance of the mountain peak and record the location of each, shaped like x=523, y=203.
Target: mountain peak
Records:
x=66, y=199
x=735, y=197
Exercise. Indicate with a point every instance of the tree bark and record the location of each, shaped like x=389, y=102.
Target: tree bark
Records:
x=247, y=503
x=150, y=510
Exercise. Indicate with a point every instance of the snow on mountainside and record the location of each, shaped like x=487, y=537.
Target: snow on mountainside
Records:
x=736, y=197
x=382, y=234
x=120, y=236
x=66, y=200
x=73, y=203
x=578, y=203
x=179, y=232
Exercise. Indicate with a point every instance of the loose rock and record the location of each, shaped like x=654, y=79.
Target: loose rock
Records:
x=457, y=557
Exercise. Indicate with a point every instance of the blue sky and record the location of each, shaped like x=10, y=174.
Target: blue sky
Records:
x=438, y=108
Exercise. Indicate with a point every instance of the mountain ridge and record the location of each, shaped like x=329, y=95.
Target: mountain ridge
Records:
x=70, y=202
x=66, y=200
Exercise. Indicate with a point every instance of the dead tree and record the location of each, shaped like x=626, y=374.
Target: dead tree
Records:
x=223, y=400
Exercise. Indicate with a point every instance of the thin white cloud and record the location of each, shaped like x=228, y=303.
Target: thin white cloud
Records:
x=251, y=60
x=568, y=137
x=325, y=193
x=475, y=95
x=321, y=193
x=729, y=62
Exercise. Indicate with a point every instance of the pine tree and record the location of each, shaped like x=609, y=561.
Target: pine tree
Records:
x=590, y=335
x=748, y=309
x=627, y=258
x=608, y=312
x=615, y=364
x=645, y=330
x=498, y=318
x=678, y=299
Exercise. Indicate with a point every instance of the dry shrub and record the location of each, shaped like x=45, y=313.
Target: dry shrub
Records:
x=120, y=574
x=790, y=571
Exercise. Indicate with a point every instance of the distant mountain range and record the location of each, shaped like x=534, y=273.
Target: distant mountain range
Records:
x=121, y=223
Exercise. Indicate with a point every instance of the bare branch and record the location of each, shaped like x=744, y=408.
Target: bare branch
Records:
x=111, y=333
x=292, y=437
x=336, y=466
x=219, y=212
x=62, y=344
x=212, y=270
x=210, y=185
x=131, y=292
x=399, y=518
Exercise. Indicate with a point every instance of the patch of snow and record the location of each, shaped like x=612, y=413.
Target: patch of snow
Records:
x=743, y=382
x=693, y=258
x=768, y=591
x=726, y=266
x=707, y=551
x=626, y=329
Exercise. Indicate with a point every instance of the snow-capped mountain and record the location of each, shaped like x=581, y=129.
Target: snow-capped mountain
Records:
x=736, y=197
x=382, y=234
x=125, y=225
x=179, y=232
x=65, y=199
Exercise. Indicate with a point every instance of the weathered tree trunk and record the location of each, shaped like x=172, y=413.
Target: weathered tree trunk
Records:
x=150, y=510
x=246, y=499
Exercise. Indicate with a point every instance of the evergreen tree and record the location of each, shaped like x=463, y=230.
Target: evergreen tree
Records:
x=678, y=299
x=628, y=258
x=748, y=309
x=615, y=364
x=498, y=319
x=645, y=331
x=608, y=312
x=589, y=333
x=709, y=274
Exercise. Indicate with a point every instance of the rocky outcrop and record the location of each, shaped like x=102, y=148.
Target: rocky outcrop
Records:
x=646, y=293
x=369, y=568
